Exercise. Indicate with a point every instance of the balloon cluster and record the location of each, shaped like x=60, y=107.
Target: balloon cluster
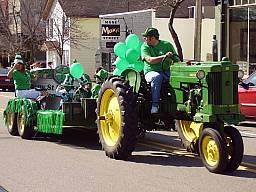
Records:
x=128, y=53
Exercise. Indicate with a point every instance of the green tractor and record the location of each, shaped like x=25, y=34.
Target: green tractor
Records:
x=201, y=100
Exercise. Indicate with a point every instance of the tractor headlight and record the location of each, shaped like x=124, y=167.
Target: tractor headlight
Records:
x=200, y=74
x=240, y=74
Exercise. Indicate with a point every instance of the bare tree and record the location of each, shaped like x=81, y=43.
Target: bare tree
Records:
x=63, y=30
x=8, y=32
x=32, y=25
x=22, y=26
x=173, y=5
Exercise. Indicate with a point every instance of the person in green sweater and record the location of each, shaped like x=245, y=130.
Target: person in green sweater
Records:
x=84, y=90
x=22, y=80
x=100, y=75
x=156, y=70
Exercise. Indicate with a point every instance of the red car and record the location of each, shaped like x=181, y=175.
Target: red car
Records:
x=247, y=96
x=5, y=82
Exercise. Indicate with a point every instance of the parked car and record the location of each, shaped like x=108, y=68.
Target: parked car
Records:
x=5, y=82
x=247, y=96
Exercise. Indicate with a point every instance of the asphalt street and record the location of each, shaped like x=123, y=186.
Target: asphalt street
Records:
x=75, y=162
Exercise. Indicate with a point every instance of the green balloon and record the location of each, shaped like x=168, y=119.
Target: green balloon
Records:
x=120, y=49
x=132, y=55
x=139, y=47
x=117, y=72
x=77, y=70
x=121, y=63
x=132, y=41
x=139, y=66
x=131, y=66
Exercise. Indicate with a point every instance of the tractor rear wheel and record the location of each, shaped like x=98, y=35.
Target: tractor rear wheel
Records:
x=117, y=118
x=187, y=135
x=213, y=150
x=25, y=129
x=235, y=148
x=11, y=123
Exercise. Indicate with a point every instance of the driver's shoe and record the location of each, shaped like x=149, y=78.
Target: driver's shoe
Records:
x=154, y=109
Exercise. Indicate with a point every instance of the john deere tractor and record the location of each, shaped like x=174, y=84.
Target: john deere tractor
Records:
x=201, y=100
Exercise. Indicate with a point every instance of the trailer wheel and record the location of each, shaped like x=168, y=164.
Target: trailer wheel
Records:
x=235, y=148
x=187, y=135
x=117, y=118
x=26, y=130
x=11, y=123
x=213, y=150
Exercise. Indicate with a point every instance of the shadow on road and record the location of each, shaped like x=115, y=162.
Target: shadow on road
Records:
x=147, y=153
x=248, y=124
x=162, y=154
x=73, y=138
x=166, y=159
x=243, y=174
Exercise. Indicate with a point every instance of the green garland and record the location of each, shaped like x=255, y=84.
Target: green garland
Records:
x=50, y=121
x=17, y=105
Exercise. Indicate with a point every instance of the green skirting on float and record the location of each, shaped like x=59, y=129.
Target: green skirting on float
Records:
x=50, y=121
x=17, y=105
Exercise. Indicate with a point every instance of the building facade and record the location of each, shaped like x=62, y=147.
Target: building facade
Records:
x=242, y=33
x=21, y=29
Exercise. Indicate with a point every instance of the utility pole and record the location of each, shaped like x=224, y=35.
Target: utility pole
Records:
x=198, y=31
x=223, y=28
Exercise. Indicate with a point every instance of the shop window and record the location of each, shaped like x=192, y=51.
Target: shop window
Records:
x=241, y=37
x=191, y=12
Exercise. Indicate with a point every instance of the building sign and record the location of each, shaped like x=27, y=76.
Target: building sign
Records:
x=110, y=29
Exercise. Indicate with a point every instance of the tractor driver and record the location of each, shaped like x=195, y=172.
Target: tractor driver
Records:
x=153, y=51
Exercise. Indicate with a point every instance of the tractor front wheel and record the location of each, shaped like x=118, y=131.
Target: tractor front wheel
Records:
x=213, y=150
x=188, y=136
x=117, y=118
x=11, y=123
x=235, y=148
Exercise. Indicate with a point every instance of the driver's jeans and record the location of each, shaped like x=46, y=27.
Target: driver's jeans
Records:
x=156, y=79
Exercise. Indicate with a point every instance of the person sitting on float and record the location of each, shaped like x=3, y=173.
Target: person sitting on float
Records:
x=66, y=89
x=22, y=80
x=101, y=75
x=84, y=90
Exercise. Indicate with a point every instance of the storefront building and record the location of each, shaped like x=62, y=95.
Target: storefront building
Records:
x=242, y=33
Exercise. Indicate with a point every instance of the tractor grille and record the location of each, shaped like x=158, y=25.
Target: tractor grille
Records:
x=235, y=87
x=214, y=88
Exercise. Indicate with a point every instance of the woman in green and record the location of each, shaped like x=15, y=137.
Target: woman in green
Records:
x=22, y=78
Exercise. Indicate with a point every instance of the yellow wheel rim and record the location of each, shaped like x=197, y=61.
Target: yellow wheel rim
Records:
x=188, y=131
x=10, y=119
x=210, y=151
x=21, y=122
x=110, y=123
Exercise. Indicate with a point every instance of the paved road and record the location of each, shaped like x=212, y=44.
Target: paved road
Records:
x=75, y=162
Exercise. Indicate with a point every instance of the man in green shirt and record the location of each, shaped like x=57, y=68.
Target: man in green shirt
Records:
x=156, y=69
x=22, y=78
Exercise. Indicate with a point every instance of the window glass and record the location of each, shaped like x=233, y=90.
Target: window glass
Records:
x=252, y=39
x=238, y=35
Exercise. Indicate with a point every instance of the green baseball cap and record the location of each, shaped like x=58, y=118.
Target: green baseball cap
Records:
x=102, y=74
x=150, y=31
